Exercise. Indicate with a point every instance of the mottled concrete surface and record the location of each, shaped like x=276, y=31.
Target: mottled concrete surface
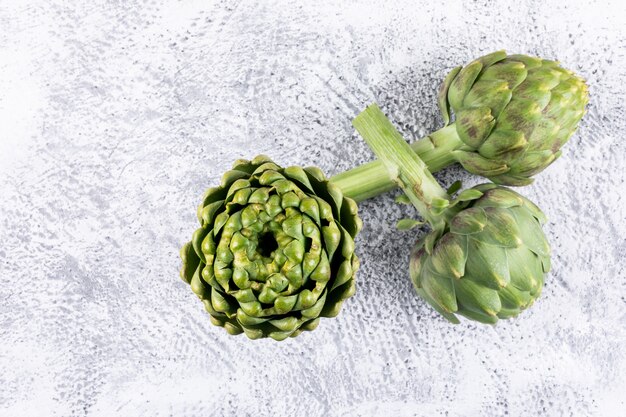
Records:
x=114, y=118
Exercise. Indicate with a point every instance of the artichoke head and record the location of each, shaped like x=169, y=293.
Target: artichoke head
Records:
x=490, y=260
x=513, y=113
x=274, y=251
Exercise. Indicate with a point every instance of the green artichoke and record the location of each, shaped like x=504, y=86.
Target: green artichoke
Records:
x=275, y=250
x=513, y=115
x=489, y=262
x=486, y=256
x=513, y=112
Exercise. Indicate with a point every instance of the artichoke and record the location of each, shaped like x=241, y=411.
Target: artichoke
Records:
x=274, y=251
x=513, y=112
x=513, y=115
x=486, y=256
x=489, y=262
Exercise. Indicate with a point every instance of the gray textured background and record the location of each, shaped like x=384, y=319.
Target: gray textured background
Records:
x=114, y=118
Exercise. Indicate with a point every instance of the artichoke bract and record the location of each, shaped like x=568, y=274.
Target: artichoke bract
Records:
x=275, y=250
x=489, y=263
x=486, y=256
x=513, y=113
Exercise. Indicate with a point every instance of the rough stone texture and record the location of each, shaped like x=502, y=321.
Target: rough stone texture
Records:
x=115, y=116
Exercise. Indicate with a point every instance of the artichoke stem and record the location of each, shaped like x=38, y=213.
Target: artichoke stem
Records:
x=371, y=179
x=402, y=165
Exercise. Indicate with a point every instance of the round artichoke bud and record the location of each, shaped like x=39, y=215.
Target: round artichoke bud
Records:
x=489, y=262
x=513, y=113
x=275, y=250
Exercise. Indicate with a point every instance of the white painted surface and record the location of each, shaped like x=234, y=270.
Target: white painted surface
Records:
x=115, y=116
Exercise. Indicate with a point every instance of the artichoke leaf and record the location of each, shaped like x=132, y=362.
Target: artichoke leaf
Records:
x=444, y=104
x=298, y=174
x=231, y=176
x=477, y=298
x=450, y=255
x=469, y=221
x=479, y=165
x=500, y=230
x=526, y=269
x=500, y=197
x=509, y=179
x=501, y=142
x=512, y=72
x=190, y=262
x=514, y=299
x=448, y=316
x=408, y=224
x=532, y=163
x=531, y=233
x=487, y=265
x=474, y=125
x=462, y=83
x=493, y=95
x=349, y=218
x=439, y=288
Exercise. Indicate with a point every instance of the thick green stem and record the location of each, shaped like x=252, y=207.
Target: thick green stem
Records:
x=371, y=179
x=402, y=166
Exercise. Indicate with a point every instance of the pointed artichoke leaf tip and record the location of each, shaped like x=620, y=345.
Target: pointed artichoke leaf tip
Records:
x=444, y=104
x=402, y=199
x=454, y=187
x=408, y=224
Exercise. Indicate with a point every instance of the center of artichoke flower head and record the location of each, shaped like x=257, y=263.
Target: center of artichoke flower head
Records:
x=267, y=244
